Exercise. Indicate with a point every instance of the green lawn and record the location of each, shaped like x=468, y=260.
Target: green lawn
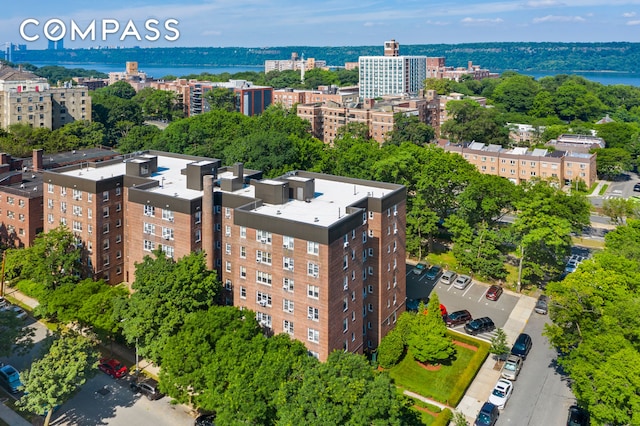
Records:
x=431, y=384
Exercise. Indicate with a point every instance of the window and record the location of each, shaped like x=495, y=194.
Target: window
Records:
x=167, y=233
x=243, y=292
x=263, y=319
x=263, y=257
x=167, y=215
x=119, y=254
x=21, y=203
x=105, y=228
x=227, y=212
x=263, y=278
x=77, y=194
x=63, y=206
x=106, y=262
x=345, y=326
x=313, y=291
x=50, y=203
x=313, y=269
x=105, y=196
x=263, y=299
x=105, y=244
x=149, y=228
x=63, y=191
x=243, y=272
x=118, y=207
x=77, y=226
x=370, y=214
x=77, y=210
x=243, y=252
x=287, y=263
x=313, y=335
x=198, y=235
x=227, y=248
x=345, y=304
x=90, y=228
x=148, y=245
x=198, y=217
x=287, y=306
x=50, y=188
x=287, y=327
x=227, y=230
x=287, y=242
x=89, y=197
x=313, y=313
x=263, y=236
x=345, y=262
x=149, y=211
x=118, y=223
x=227, y=266
x=287, y=284
x=243, y=232
x=50, y=218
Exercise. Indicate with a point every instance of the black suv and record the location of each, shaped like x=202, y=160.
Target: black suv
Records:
x=522, y=346
x=578, y=416
x=479, y=325
x=147, y=387
x=488, y=415
x=457, y=318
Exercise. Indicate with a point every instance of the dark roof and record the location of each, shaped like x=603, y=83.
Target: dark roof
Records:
x=557, y=154
x=60, y=159
x=13, y=74
x=29, y=187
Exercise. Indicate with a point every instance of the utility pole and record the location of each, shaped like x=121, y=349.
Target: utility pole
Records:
x=4, y=257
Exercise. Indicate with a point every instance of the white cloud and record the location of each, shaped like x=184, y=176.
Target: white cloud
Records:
x=438, y=23
x=211, y=33
x=633, y=23
x=473, y=21
x=558, y=18
x=629, y=14
x=543, y=3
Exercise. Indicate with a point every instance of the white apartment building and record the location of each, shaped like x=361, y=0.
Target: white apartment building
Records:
x=391, y=75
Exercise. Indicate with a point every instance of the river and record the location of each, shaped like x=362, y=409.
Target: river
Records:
x=606, y=78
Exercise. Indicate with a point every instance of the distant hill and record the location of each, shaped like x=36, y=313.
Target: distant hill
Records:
x=623, y=57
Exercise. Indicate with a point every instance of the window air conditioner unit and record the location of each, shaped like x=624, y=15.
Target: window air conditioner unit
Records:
x=395, y=231
x=310, y=316
x=170, y=219
x=262, y=303
x=258, y=260
x=166, y=237
x=315, y=275
x=285, y=287
x=395, y=213
x=285, y=246
x=263, y=240
x=346, y=244
x=346, y=287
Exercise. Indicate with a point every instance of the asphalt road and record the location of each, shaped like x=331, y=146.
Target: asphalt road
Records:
x=541, y=395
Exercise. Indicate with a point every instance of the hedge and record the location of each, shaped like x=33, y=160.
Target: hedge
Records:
x=472, y=369
x=443, y=418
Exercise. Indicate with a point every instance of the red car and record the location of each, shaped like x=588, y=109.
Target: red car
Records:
x=112, y=367
x=494, y=292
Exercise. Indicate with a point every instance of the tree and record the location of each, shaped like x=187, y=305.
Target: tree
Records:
x=428, y=341
x=459, y=419
x=53, y=260
x=51, y=381
x=499, y=345
x=618, y=209
x=409, y=128
x=390, y=349
x=516, y=93
x=15, y=336
x=613, y=162
x=470, y=121
x=344, y=390
x=120, y=89
x=221, y=98
x=165, y=291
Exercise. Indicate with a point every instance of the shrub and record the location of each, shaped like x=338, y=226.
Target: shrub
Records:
x=390, y=349
x=443, y=418
x=472, y=369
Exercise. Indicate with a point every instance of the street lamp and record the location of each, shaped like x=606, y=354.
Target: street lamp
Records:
x=137, y=369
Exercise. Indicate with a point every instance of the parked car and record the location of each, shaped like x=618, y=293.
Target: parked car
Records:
x=522, y=346
x=205, y=420
x=542, y=305
x=501, y=393
x=147, y=387
x=578, y=416
x=448, y=277
x=636, y=187
x=3, y=302
x=434, y=272
x=572, y=265
x=10, y=378
x=479, y=325
x=413, y=304
x=457, y=318
x=419, y=268
x=15, y=310
x=462, y=282
x=488, y=415
x=112, y=367
x=511, y=367
x=494, y=292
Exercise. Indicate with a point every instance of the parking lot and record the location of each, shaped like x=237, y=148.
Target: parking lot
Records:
x=472, y=298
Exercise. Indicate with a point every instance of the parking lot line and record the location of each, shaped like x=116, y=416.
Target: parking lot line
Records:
x=468, y=288
x=483, y=295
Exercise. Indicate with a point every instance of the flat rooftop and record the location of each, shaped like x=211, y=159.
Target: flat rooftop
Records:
x=328, y=206
x=172, y=181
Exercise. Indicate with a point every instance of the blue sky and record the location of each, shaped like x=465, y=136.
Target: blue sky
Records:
x=262, y=23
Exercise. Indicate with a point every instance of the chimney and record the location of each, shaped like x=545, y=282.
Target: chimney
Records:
x=238, y=170
x=4, y=158
x=470, y=65
x=37, y=160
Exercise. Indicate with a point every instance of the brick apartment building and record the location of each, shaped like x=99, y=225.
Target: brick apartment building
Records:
x=277, y=244
x=436, y=68
x=295, y=63
x=28, y=99
x=522, y=164
x=21, y=194
x=328, y=117
x=342, y=95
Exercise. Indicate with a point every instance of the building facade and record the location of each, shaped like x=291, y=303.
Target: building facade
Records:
x=436, y=68
x=391, y=74
x=521, y=164
x=295, y=63
x=316, y=256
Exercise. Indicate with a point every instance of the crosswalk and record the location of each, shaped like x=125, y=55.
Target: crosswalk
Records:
x=608, y=197
x=487, y=336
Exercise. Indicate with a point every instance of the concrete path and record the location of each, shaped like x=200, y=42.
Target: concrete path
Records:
x=597, y=189
x=427, y=400
x=480, y=389
x=12, y=418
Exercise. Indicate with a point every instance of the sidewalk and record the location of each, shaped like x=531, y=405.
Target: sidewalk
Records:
x=11, y=417
x=485, y=380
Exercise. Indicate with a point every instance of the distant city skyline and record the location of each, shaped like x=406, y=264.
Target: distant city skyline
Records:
x=259, y=23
